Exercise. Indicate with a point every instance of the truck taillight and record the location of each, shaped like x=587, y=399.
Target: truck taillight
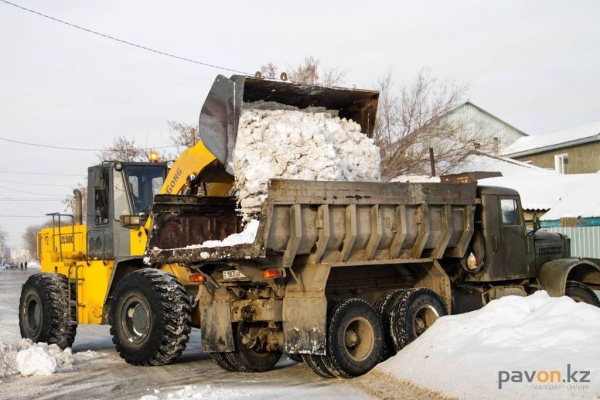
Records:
x=272, y=273
x=197, y=278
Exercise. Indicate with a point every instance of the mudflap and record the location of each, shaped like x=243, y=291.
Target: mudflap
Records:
x=304, y=331
x=216, y=329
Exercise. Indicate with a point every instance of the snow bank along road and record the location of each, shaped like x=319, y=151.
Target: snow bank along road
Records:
x=109, y=377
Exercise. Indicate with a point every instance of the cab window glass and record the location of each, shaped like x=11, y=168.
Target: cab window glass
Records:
x=144, y=183
x=510, y=211
x=101, y=201
x=121, y=203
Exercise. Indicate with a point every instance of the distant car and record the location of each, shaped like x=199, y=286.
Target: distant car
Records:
x=11, y=265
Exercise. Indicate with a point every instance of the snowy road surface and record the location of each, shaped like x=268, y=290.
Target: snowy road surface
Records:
x=110, y=377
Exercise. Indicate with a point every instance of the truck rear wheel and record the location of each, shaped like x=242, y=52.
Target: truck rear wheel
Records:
x=414, y=311
x=354, y=339
x=44, y=310
x=221, y=360
x=250, y=359
x=384, y=307
x=150, y=318
x=581, y=293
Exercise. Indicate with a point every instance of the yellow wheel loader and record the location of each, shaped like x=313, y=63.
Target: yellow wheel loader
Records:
x=95, y=273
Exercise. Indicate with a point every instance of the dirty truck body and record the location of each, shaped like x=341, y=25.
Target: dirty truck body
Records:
x=412, y=251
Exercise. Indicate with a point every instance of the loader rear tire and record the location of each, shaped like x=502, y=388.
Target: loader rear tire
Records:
x=354, y=339
x=221, y=360
x=150, y=318
x=581, y=293
x=414, y=311
x=44, y=310
x=245, y=359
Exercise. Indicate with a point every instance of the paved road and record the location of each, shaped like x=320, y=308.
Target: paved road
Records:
x=110, y=377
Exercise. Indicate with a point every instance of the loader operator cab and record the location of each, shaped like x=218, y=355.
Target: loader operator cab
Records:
x=120, y=199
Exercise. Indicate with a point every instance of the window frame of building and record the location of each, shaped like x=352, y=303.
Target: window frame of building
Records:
x=561, y=163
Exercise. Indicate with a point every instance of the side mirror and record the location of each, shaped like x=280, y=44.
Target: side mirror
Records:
x=99, y=177
x=130, y=221
x=536, y=221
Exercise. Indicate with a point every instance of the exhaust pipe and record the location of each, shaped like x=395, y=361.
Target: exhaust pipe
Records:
x=78, y=207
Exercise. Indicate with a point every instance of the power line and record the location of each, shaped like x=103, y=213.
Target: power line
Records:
x=124, y=41
x=36, y=184
x=25, y=191
x=49, y=146
x=40, y=173
x=18, y=202
x=22, y=216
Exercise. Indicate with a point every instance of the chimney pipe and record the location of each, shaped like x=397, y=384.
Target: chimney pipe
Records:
x=78, y=207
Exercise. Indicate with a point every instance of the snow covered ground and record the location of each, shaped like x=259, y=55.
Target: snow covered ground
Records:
x=534, y=347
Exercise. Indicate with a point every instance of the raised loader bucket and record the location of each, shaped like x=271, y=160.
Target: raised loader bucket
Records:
x=225, y=101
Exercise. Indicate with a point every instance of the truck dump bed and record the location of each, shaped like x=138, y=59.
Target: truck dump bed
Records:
x=321, y=222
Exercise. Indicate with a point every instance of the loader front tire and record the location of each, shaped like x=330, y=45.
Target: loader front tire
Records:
x=150, y=318
x=44, y=310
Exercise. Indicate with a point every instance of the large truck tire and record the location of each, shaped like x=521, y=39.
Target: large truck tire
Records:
x=354, y=339
x=317, y=365
x=150, y=318
x=414, y=311
x=246, y=359
x=385, y=307
x=44, y=310
x=581, y=293
x=221, y=360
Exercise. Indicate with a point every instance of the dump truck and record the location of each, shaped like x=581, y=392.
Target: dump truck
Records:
x=340, y=275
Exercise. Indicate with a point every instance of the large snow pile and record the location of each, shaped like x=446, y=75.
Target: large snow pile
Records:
x=28, y=358
x=515, y=347
x=247, y=235
x=198, y=392
x=298, y=144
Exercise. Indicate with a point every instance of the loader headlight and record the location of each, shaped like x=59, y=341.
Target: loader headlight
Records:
x=118, y=166
x=170, y=164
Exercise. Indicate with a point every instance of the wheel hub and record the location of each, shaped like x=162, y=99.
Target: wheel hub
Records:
x=33, y=314
x=359, y=338
x=424, y=318
x=136, y=319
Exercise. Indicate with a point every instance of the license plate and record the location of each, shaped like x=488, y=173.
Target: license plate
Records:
x=233, y=274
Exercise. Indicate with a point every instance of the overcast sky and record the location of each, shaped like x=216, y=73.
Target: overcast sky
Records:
x=535, y=64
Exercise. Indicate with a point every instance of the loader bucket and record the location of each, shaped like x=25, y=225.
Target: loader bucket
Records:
x=225, y=101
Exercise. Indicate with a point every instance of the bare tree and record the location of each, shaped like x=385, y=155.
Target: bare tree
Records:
x=30, y=237
x=183, y=136
x=409, y=122
x=309, y=71
x=3, y=245
x=124, y=149
x=69, y=201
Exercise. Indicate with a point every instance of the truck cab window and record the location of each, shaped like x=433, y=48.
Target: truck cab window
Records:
x=121, y=204
x=101, y=202
x=510, y=212
x=144, y=182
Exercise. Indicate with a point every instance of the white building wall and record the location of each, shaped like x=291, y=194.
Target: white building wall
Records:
x=477, y=123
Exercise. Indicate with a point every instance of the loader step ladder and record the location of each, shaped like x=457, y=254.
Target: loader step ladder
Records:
x=73, y=294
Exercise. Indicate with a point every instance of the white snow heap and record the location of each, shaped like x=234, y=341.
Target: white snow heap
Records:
x=246, y=236
x=298, y=144
x=463, y=355
x=28, y=358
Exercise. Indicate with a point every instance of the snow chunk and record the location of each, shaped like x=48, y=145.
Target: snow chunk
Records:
x=246, y=236
x=28, y=358
x=513, y=333
x=303, y=145
x=198, y=392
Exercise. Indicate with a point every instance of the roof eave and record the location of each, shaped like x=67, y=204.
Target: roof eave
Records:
x=537, y=150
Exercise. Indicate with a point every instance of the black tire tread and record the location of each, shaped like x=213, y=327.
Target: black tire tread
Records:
x=175, y=319
x=221, y=360
x=54, y=291
x=584, y=287
x=315, y=364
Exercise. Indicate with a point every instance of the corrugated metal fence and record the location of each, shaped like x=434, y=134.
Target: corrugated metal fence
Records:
x=585, y=241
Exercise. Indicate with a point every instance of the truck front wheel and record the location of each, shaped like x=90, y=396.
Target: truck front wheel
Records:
x=581, y=293
x=150, y=318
